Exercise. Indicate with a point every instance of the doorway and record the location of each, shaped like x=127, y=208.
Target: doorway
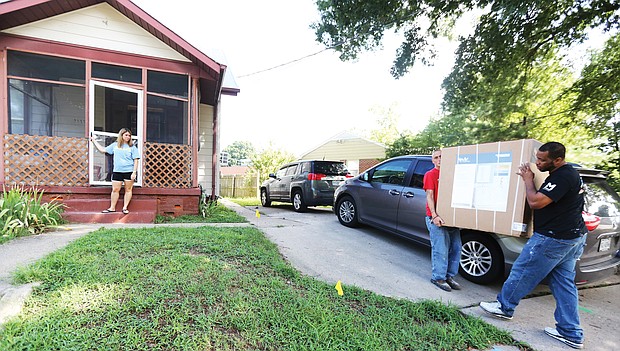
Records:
x=112, y=107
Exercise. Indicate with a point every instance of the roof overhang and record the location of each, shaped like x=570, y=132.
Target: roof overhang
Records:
x=15, y=13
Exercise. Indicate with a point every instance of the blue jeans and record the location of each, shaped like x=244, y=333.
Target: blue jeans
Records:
x=445, y=250
x=543, y=256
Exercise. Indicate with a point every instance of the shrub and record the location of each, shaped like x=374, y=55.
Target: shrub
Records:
x=22, y=213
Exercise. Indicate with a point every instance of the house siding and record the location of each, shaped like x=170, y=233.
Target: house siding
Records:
x=205, y=139
x=99, y=26
x=346, y=149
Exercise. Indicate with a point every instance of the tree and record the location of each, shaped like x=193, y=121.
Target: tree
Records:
x=387, y=121
x=510, y=36
x=268, y=161
x=239, y=150
x=598, y=95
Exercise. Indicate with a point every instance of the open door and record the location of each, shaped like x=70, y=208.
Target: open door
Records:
x=113, y=107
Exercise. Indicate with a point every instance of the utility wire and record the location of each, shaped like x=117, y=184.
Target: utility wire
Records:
x=289, y=62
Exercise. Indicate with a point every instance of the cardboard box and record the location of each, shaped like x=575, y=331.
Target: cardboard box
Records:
x=479, y=187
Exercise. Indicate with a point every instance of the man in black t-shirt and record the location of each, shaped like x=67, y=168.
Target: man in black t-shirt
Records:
x=552, y=251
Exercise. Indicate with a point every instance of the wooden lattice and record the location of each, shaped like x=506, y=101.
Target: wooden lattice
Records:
x=61, y=161
x=167, y=166
x=42, y=160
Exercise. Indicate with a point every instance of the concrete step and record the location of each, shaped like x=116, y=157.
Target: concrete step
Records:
x=98, y=205
x=115, y=217
x=80, y=210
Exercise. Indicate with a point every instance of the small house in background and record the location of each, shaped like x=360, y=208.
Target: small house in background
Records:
x=358, y=153
x=70, y=69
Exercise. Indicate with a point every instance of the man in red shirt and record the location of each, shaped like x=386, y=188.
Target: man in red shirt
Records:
x=445, y=241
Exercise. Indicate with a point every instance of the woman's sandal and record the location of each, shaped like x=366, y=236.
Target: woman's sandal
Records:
x=125, y=211
x=107, y=211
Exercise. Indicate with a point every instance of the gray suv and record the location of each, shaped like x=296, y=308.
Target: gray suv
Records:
x=390, y=197
x=304, y=183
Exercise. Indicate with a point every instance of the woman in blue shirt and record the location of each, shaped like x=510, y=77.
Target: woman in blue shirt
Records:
x=126, y=156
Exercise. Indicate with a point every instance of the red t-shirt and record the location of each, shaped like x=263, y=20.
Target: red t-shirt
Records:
x=431, y=182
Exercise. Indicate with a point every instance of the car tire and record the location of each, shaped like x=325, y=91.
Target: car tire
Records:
x=298, y=201
x=264, y=198
x=346, y=210
x=482, y=260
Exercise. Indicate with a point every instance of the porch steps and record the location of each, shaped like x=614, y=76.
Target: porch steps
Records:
x=88, y=210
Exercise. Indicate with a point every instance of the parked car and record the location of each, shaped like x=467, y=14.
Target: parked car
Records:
x=390, y=197
x=304, y=183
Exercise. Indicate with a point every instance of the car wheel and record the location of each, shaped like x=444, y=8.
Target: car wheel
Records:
x=482, y=260
x=264, y=198
x=346, y=210
x=298, y=201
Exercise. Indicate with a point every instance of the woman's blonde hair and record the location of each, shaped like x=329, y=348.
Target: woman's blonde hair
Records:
x=119, y=139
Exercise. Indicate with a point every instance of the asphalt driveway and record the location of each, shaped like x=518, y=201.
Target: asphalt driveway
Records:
x=316, y=244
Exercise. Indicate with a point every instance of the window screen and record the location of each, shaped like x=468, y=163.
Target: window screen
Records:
x=119, y=73
x=29, y=65
x=166, y=120
x=167, y=83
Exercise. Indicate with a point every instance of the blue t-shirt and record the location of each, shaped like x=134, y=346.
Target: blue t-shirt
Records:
x=123, y=157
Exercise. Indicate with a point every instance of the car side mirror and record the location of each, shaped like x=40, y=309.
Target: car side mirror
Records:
x=364, y=177
x=272, y=175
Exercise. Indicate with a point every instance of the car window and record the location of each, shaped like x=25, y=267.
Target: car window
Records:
x=291, y=170
x=305, y=167
x=423, y=166
x=392, y=172
x=600, y=198
x=281, y=172
x=330, y=168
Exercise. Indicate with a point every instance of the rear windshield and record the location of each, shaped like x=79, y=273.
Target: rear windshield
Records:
x=330, y=168
x=600, y=198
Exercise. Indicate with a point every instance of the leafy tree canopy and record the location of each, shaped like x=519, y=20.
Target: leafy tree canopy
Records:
x=268, y=161
x=511, y=34
x=387, y=124
x=239, y=150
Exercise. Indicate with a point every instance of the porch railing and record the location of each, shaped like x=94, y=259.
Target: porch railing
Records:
x=63, y=161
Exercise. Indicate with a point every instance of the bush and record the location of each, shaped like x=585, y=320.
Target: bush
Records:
x=22, y=213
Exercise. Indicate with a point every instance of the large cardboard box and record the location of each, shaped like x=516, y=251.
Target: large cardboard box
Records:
x=479, y=187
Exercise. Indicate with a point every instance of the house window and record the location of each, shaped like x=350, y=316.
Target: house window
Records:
x=45, y=67
x=54, y=104
x=167, y=108
x=166, y=120
x=118, y=73
x=168, y=84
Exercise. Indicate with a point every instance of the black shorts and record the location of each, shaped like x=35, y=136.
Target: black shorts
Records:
x=120, y=176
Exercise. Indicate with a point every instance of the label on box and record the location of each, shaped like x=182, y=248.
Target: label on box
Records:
x=481, y=181
x=519, y=227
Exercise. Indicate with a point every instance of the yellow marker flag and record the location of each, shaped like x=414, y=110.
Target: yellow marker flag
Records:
x=257, y=214
x=339, y=288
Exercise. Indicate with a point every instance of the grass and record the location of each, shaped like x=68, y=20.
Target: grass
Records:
x=245, y=201
x=215, y=289
x=214, y=213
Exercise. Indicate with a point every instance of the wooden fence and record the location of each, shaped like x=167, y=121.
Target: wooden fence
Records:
x=238, y=186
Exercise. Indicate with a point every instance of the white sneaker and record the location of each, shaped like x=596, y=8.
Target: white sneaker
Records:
x=495, y=309
x=552, y=332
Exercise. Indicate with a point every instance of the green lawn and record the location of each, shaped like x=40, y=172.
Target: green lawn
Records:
x=215, y=212
x=215, y=289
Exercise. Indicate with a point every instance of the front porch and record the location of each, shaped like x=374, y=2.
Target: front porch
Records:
x=59, y=167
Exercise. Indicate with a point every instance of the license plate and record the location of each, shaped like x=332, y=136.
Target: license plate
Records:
x=336, y=182
x=605, y=244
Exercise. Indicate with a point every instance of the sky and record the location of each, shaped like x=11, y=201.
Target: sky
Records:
x=299, y=106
